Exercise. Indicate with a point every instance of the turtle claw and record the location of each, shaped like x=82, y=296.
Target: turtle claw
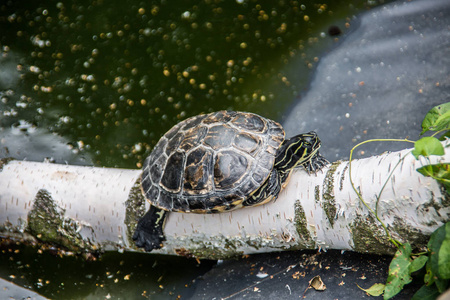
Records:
x=316, y=163
x=148, y=240
x=149, y=230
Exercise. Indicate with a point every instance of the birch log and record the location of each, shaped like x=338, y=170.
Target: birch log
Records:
x=96, y=209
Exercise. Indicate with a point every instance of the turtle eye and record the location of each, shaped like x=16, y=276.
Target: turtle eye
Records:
x=307, y=140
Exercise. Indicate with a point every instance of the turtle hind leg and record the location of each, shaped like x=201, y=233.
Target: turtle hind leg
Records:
x=149, y=230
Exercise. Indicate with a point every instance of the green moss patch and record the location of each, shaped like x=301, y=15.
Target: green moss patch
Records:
x=368, y=237
x=407, y=233
x=341, y=180
x=317, y=194
x=307, y=242
x=135, y=210
x=46, y=222
x=329, y=200
x=212, y=250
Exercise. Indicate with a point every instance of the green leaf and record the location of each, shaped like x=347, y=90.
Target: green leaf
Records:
x=429, y=277
x=441, y=284
x=426, y=293
x=375, y=290
x=427, y=146
x=444, y=255
x=434, y=244
x=440, y=172
x=437, y=171
x=442, y=122
x=399, y=274
x=418, y=263
x=426, y=171
x=437, y=118
x=439, y=246
x=445, y=136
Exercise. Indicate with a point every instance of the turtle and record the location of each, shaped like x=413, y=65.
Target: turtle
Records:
x=217, y=162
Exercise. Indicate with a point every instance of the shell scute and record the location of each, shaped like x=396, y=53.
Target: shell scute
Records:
x=260, y=174
x=193, y=138
x=197, y=178
x=153, y=192
x=275, y=140
x=172, y=177
x=179, y=204
x=146, y=184
x=229, y=169
x=197, y=204
x=173, y=131
x=250, y=122
x=219, y=137
x=157, y=152
x=174, y=142
x=193, y=122
x=214, y=202
x=156, y=169
x=219, y=117
x=248, y=143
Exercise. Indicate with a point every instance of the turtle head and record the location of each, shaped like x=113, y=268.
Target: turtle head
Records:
x=308, y=141
x=298, y=150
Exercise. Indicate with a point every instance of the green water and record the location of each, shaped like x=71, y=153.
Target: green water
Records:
x=110, y=77
x=113, y=76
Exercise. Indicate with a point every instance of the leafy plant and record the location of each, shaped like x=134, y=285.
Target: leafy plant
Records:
x=436, y=260
x=437, y=119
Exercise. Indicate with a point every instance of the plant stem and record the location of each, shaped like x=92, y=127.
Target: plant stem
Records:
x=375, y=213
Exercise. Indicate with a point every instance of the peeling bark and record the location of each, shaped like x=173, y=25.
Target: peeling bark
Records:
x=97, y=209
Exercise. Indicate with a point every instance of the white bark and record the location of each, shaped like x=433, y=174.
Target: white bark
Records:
x=85, y=208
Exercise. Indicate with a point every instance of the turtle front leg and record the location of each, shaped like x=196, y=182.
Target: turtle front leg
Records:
x=315, y=163
x=149, y=230
x=266, y=192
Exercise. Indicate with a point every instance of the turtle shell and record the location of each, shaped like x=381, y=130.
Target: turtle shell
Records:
x=211, y=163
